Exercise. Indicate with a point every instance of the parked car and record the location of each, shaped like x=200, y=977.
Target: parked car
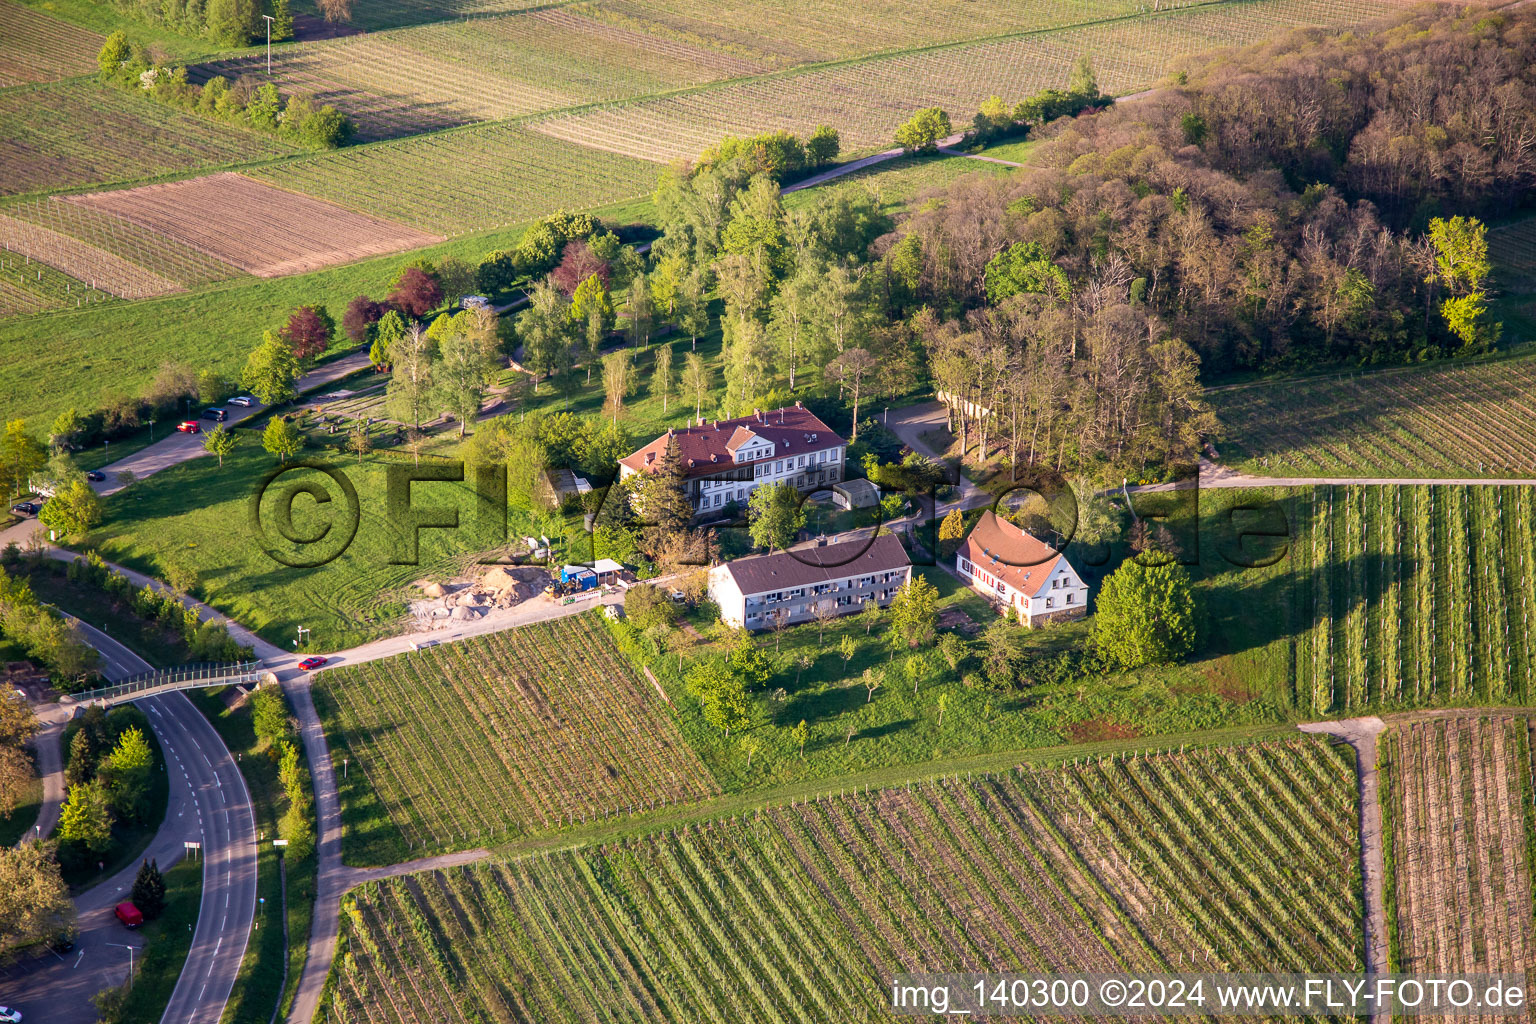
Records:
x=26, y=508
x=310, y=664
x=130, y=915
x=188, y=427
x=95, y=476
x=244, y=401
x=216, y=414
x=9, y=1016
x=421, y=645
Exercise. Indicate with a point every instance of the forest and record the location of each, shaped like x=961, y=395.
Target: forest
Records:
x=1310, y=201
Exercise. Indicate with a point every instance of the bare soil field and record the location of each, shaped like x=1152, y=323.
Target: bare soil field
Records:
x=263, y=230
x=82, y=261
x=1459, y=800
x=38, y=48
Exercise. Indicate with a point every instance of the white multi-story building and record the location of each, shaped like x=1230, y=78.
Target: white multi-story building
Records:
x=794, y=585
x=1021, y=574
x=724, y=460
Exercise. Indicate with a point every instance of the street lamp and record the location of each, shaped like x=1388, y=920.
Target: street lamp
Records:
x=268, y=18
x=151, y=431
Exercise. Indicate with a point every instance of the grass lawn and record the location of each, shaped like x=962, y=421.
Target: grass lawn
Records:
x=260, y=985
x=1017, y=151
x=149, y=640
x=198, y=514
x=163, y=949
x=897, y=181
x=129, y=840
x=20, y=821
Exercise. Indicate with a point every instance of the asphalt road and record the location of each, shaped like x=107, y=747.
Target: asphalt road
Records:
x=208, y=803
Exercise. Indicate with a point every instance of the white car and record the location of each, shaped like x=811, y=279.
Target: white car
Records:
x=243, y=400
x=10, y=1016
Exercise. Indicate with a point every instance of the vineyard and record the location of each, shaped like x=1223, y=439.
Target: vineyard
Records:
x=39, y=48
x=781, y=35
x=381, y=14
x=511, y=733
x=457, y=73
x=81, y=133
x=1412, y=596
x=260, y=229
x=1459, y=799
x=105, y=233
x=27, y=286
x=484, y=177
x=75, y=263
x=1513, y=248
x=1242, y=858
x=867, y=100
x=1473, y=420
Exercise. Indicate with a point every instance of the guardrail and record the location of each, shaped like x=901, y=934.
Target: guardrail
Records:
x=186, y=677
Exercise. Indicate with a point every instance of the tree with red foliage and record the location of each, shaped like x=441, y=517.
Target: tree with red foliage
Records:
x=309, y=330
x=362, y=313
x=416, y=293
x=577, y=263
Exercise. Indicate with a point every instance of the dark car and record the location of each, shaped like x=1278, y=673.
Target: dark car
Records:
x=216, y=414
x=26, y=508
x=310, y=664
x=95, y=476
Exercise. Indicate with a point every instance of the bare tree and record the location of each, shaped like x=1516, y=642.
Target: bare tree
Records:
x=849, y=370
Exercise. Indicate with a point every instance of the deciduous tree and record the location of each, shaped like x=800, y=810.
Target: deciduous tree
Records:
x=34, y=901
x=775, y=515
x=914, y=614
x=219, y=442
x=86, y=817
x=922, y=133
x=1146, y=615
x=282, y=438
x=271, y=370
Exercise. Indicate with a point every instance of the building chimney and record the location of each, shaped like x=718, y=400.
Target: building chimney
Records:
x=798, y=405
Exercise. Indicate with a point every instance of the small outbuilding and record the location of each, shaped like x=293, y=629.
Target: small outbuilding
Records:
x=607, y=571
x=856, y=493
x=579, y=575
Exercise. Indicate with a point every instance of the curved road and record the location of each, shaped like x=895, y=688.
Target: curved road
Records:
x=208, y=803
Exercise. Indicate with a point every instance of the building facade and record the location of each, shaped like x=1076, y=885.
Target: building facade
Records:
x=793, y=585
x=723, y=461
x=1020, y=574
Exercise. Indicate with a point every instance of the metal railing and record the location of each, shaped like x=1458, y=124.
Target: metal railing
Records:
x=184, y=677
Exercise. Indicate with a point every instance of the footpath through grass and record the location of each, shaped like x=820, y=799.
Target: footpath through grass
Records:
x=163, y=943
x=260, y=986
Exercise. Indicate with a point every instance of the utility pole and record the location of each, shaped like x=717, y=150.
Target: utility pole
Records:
x=268, y=18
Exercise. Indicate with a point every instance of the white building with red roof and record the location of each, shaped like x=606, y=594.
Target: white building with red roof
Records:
x=725, y=459
x=1021, y=574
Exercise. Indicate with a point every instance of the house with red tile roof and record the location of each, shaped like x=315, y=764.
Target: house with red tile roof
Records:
x=725, y=459
x=1021, y=574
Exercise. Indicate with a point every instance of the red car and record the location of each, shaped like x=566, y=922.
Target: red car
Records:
x=129, y=914
x=189, y=427
x=310, y=664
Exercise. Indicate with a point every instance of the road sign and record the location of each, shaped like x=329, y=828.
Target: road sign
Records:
x=279, y=842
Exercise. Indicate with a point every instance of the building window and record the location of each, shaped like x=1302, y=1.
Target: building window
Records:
x=1070, y=596
x=1050, y=602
